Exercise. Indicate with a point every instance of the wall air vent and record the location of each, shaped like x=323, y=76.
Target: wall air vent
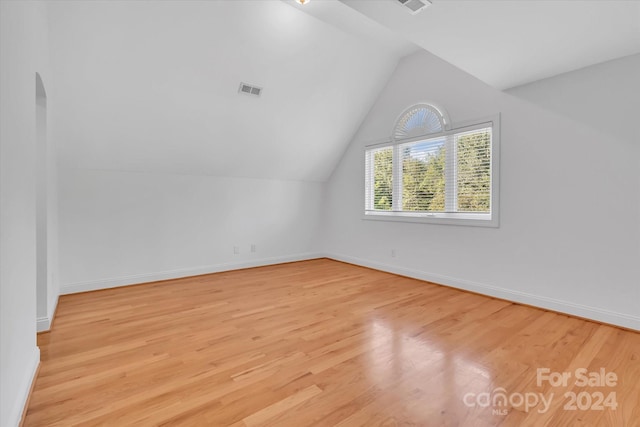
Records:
x=249, y=89
x=414, y=6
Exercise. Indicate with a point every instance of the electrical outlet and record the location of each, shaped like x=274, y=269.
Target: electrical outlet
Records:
x=393, y=253
x=254, y=248
x=236, y=250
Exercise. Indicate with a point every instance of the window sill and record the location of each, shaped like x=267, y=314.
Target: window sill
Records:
x=473, y=220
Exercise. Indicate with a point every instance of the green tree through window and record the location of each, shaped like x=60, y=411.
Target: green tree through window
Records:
x=383, y=179
x=474, y=171
x=423, y=181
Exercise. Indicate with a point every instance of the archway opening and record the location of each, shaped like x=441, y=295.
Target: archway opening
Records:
x=41, y=201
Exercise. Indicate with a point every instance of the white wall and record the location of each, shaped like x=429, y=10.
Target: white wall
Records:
x=120, y=227
x=23, y=52
x=570, y=219
x=164, y=166
x=603, y=96
x=53, y=245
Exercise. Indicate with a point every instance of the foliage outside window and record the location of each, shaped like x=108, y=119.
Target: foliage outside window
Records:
x=446, y=176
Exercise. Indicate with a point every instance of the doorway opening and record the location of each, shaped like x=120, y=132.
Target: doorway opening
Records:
x=41, y=206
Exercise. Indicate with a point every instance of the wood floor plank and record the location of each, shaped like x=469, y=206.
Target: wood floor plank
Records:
x=318, y=343
x=283, y=405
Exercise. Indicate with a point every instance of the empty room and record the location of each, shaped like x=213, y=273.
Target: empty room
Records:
x=319, y=213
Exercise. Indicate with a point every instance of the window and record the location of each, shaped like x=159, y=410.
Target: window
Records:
x=430, y=173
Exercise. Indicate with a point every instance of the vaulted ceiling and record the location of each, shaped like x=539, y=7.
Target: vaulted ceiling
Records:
x=510, y=43
x=153, y=85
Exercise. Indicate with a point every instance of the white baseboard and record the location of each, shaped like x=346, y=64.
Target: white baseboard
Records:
x=43, y=324
x=587, y=312
x=23, y=389
x=185, y=272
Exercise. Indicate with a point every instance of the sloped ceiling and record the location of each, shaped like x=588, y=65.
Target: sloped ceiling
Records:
x=153, y=86
x=510, y=43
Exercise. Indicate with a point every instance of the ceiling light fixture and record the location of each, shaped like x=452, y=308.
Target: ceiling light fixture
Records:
x=415, y=6
x=302, y=2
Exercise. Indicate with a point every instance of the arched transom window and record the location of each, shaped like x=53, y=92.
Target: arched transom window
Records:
x=421, y=119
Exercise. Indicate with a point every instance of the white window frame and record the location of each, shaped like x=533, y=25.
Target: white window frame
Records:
x=491, y=219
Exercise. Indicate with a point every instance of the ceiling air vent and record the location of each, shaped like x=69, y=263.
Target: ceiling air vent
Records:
x=249, y=90
x=414, y=6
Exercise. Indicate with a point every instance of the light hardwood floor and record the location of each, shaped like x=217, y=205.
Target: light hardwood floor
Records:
x=320, y=343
